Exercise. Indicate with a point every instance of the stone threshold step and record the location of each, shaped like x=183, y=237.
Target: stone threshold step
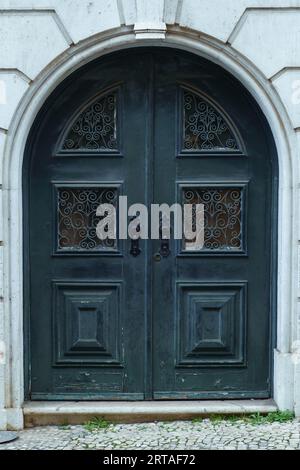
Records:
x=72, y=412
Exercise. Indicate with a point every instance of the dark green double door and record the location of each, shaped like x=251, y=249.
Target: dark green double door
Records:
x=119, y=319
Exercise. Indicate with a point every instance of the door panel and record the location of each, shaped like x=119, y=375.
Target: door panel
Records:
x=87, y=323
x=210, y=324
x=152, y=319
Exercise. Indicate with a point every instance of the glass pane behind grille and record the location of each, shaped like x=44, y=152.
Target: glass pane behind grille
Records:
x=222, y=216
x=77, y=220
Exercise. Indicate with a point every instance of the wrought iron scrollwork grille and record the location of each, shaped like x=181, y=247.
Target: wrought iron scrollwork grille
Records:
x=204, y=128
x=223, y=224
x=77, y=220
x=96, y=127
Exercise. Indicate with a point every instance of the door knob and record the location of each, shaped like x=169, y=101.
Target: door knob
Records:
x=157, y=257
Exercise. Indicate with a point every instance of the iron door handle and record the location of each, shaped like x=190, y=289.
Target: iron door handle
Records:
x=135, y=248
x=135, y=243
x=164, y=244
x=164, y=248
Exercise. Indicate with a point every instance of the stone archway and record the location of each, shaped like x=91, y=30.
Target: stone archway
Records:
x=12, y=177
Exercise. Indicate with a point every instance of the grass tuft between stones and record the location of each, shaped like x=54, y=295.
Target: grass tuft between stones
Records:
x=254, y=419
x=99, y=423
x=95, y=424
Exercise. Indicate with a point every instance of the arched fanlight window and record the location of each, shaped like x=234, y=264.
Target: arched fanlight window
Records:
x=205, y=128
x=94, y=129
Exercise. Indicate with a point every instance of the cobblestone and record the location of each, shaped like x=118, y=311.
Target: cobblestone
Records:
x=181, y=435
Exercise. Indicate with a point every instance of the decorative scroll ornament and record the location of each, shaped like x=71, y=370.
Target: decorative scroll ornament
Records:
x=222, y=216
x=204, y=127
x=95, y=128
x=77, y=218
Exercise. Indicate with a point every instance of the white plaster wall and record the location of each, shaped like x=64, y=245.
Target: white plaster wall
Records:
x=287, y=84
x=261, y=35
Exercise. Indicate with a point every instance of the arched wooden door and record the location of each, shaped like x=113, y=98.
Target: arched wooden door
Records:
x=113, y=320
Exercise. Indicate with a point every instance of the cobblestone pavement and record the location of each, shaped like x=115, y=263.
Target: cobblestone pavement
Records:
x=162, y=435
